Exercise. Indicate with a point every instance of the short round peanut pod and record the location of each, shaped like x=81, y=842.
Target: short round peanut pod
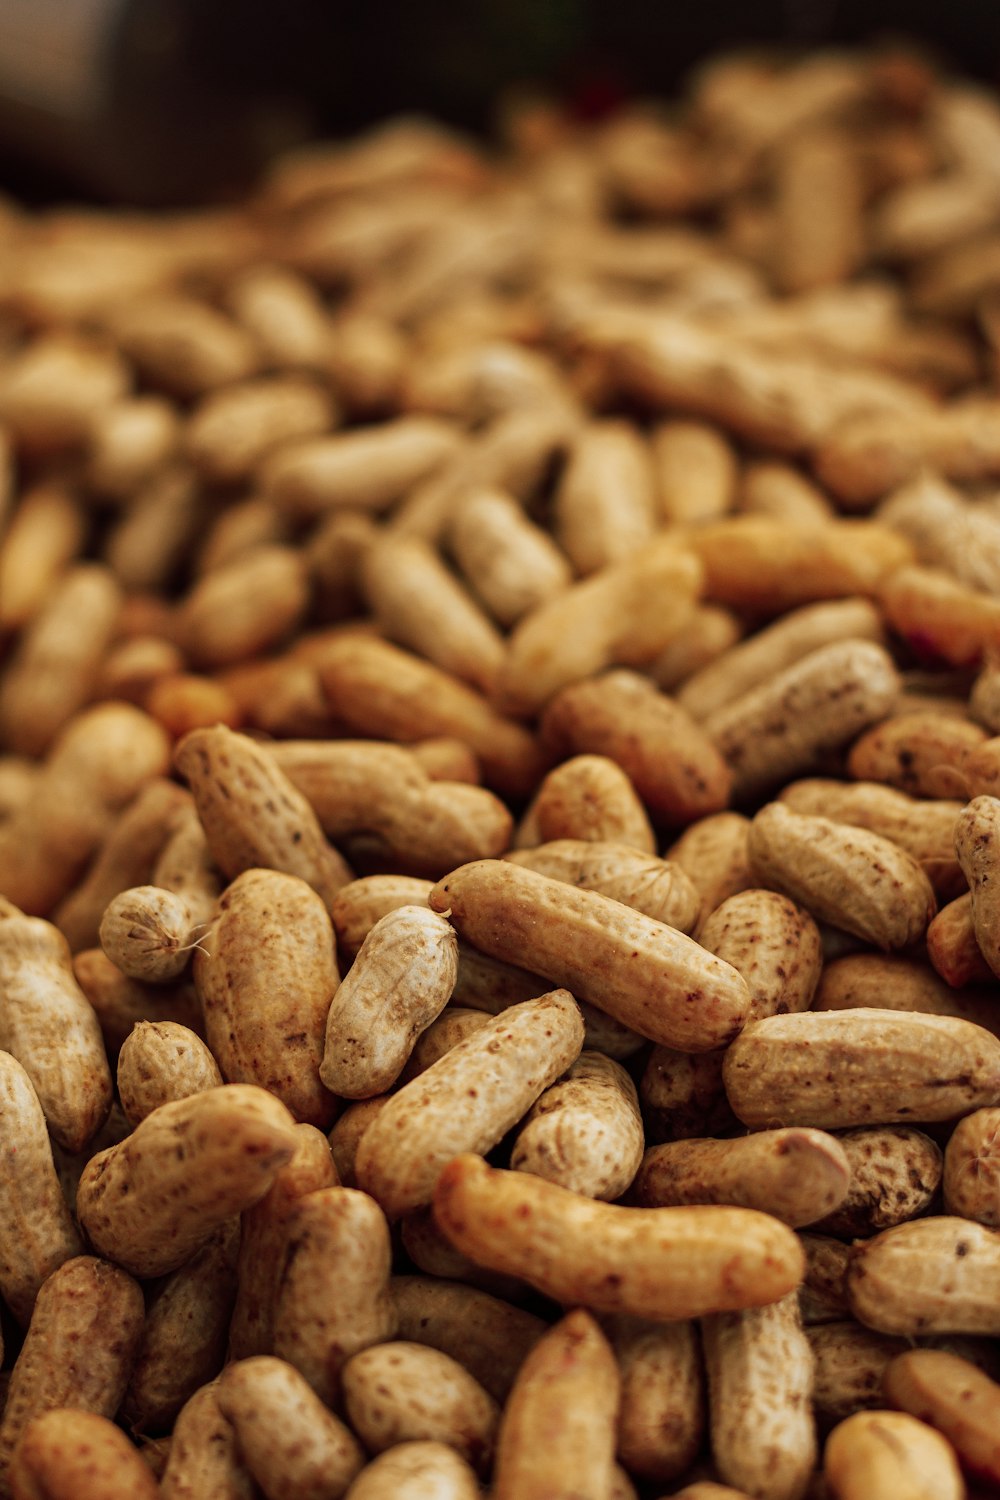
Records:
x=889, y=1455
x=416, y=1471
x=78, y=1455
x=585, y=1132
x=161, y=1061
x=146, y=932
x=972, y=1168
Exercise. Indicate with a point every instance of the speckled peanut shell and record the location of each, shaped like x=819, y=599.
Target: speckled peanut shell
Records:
x=895, y=1173
x=936, y=1275
x=654, y=886
x=661, y=1418
x=161, y=1061
x=79, y=1454
x=972, y=1168
x=490, y=1337
x=585, y=1132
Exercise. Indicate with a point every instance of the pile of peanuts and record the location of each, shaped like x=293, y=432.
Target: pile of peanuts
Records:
x=500, y=812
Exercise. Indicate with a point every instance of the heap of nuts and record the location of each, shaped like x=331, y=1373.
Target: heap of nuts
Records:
x=500, y=812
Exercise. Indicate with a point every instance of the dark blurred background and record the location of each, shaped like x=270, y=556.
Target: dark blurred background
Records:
x=159, y=101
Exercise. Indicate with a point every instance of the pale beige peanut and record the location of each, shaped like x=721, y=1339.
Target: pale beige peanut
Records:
x=148, y=934
x=714, y=854
x=416, y=1471
x=892, y=982
x=333, y=1290
x=18, y=774
x=671, y=762
x=452, y=1026
x=161, y=1061
x=850, y=1361
x=37, y=1232
x=204, y=1457
x=836, y=1069
x=920, y=753
x=641, y=972
x=446, y=759
x=420, y=603
x=956, y=1398
x=185, y=867
x=695, y=471
x=292, y=1445
x=474, y=381
x=976, y=829
x=468, y=1100
x=244, y=606
x=48, y=1024
x=709, y=633
x=252, y=814
x=239, y=530
x=120, y=1003
x=777, y=647
x=953, y=948
x=656, y=1263
x=283, y=312
x=851, y=877
x=661, y=1418
x=873, y=453
x=588, y=798
x=54, y=386
x=981, y=772
x=773, y=943
x=45, y=534
x=656, y=887
x=785, y=725
x=78, y=1349
x=772, y=488
x=368, y=469
x=128, y=442
x=266, y=973
x=934, y=612
x=509, y=563
x=760, y=1376
x=433, y=1254
x=585, y=1131
x=53, y=669
x=233, y=429
x=399, y=983
x=360, y=904
x=924, y=828
x=345, y=1137
x=557, y=1435
x=972, y=1168
x=404, y=1392
x=152, y=1201
x=823, y=1294
x=798, y=1175
x=78, y=1455
x=183, y=1343
x=181, y=345
x=624, y=614
x=933, y=1275
x=888, y=1455
x=604, y=506
x=376, y=689
x=895, y=1174
x=263, y=1229
x=490, y=1337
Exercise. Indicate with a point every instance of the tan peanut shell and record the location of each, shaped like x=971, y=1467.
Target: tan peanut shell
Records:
x=433, y=1253
x=956, y=1398
x=972, y=1168
x=823, y=1294
x=78, y=1455
x=850, y=1362
x=585, y=1131
x=887, y=1455
x=490, y=1337
x=773, y=943
x=895, y=1173
x=713, y=853
x=893, y=982
x=760, y=1376
x=399, y=983
x=366, y=470
x=121, y=1003
x=332, y=1295
x=266, y=973
x=204, y=1457
x=798, y=1175
x=290, y=1442
x=453, y=1025
x=695, y=469
x=161, y=1061
x=976, y=833
x=232, y=430
x=345, y=1137
x=604, y=507
x=468, y=1100
x=953, y=948
x=416, y=1471
x=147, y=933
x=587, y=798
x=557, y=1435
x=935, y=1275
x=919, y=753
x=661, y=1418
x=860, y=1067
x=656, y=887
x=360, y=904
x=936, y=612
x=512, y=565
x=652, y=1263
x=152, y=1201
x=850, y=877
x=710, y=632
x=400, y=1392
x=642, y=973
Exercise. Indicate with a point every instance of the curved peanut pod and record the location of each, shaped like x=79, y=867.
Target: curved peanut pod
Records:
x=659, y=1263
x=895, y=1173
x=252, y=814
x=585, y=1131
x=605, y=504
x=760, y=1377
x=850, y=1362
x=490, y=1337
x=855, y=879
x=512, y=565
x=37, y=1232
x=773, y=943
x=205, y=1458
x=643, y=973
x=860, y=1067
x=160, y=1062
x=399, y=983
x=468, y=1100
x=290, y=1442
x=399, y=1392
x=661, y=1419
x=888, y=1455
x=78, y=1349
x=955, y=1397
x=557, y=1436
x=266, y=972
x=263, y=1231
x=937, y=1275
x=797, y=1175
x=183, y=1344
x=864, y=980
x=333, y=1292
x=976, y=830
x=78, y=1455
x=416, y=1471
x=972, y=1168
x=152, y=1201
x=653, y=886
x=47, y=1023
